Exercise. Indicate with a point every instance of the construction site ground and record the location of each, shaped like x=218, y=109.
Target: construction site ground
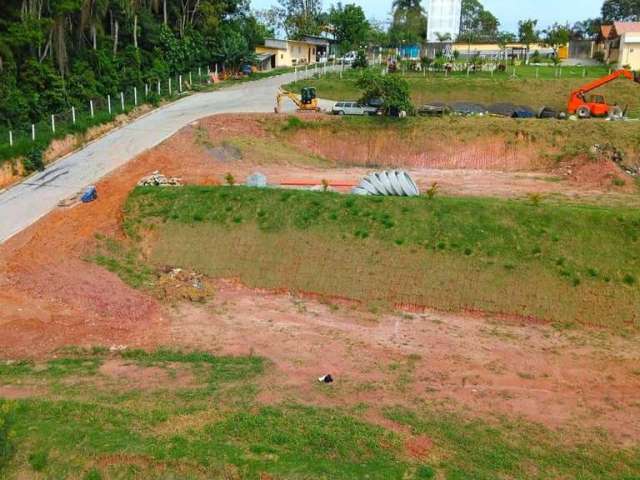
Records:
x=575, y=380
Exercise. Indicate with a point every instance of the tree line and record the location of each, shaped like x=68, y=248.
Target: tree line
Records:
x=58, y=53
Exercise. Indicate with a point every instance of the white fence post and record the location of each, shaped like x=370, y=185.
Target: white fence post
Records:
x=91, y=108
x=10, y=138
x=53, y=123
x=135, y=96
x=73, y=115
x=33, y=132
x=146, y=90
x=199, y=72
x=109, y=103
x=122, y=100
x=169, y=86
x=159, y=88
x=190, y=80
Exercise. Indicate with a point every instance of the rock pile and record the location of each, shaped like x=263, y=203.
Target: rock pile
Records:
x=156, y=179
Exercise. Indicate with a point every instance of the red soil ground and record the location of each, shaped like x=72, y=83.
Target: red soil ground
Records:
x=50, y=297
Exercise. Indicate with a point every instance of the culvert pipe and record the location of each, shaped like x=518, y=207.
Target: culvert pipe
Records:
x=397, y=183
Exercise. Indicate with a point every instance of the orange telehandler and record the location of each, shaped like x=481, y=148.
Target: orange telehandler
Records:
x=595, y=105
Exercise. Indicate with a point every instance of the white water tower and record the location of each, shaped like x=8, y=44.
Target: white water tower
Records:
x=444, y=19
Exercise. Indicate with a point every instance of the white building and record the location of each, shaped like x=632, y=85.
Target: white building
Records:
x=444, y=18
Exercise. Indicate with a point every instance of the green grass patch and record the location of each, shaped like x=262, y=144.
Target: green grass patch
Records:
x=494, y=255
x=122, y=260
x=510, y=449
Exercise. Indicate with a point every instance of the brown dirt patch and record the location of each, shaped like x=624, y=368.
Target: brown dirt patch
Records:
x=418, y=447
x=19, y=392
x=10, y=172
x=171, y=376
x=529, y=371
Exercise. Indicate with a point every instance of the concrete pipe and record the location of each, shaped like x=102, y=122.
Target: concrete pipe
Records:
x=388, y=183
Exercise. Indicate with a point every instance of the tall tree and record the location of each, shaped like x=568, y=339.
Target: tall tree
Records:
x=478, y=23
x=557, y=36
x=621, y=10
x=528, y=34
x=409, y=22
x=301, y=17
x=350, y=24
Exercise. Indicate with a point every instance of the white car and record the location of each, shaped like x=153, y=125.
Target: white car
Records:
x=353, y=108
x=349, y=58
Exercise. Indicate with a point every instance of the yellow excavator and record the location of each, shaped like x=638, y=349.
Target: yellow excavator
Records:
x=306, y=102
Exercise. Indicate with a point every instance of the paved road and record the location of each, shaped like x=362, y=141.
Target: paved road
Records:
x=25, y=203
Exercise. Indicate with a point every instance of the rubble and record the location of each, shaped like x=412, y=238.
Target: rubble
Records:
x=156, y=179
x=179, y=285
x=610, y=152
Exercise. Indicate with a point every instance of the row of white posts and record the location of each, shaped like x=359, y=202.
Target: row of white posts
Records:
x=147, y=89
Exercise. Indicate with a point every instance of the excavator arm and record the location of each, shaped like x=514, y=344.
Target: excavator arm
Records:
x=282, y=94
x=578, y=96
x=604, y=80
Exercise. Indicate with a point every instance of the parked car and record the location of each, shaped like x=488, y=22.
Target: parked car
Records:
x=353, y=108
x=349, y=58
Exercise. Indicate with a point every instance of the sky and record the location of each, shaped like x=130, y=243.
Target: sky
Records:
x=507, y=11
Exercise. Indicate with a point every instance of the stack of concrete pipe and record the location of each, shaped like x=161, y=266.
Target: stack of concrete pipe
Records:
x=388, y=183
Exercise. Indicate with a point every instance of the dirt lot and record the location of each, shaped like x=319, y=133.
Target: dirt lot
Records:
x=51, y=296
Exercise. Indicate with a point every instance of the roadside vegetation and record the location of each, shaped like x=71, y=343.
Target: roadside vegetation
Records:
x=545, y=260
x=524, y=89
x=193, y=415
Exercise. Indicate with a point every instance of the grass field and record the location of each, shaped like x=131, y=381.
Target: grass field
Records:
x=553, y=261
x=525, y=89
x=168, y=414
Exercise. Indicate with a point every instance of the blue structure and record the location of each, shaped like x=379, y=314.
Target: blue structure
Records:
x=410, y=51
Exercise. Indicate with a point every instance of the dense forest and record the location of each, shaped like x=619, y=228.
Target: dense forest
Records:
x=58, y=53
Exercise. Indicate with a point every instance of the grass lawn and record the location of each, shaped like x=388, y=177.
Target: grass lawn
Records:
x=84, y=423
x=524, y=89
x=548, y=260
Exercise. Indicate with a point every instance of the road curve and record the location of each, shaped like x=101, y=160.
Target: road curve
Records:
x=26, y=202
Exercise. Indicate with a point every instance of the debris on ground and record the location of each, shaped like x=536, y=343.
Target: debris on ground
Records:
x=326, y=379
x=70, y=201
x=257, y=180
x=388, y=183
x=178, y=284
x=89, y=195
x=609, y=152
x=156, y=179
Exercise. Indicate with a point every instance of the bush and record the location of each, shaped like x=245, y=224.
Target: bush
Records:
x=34, y=160
x=393, y=90
x=361, y=60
